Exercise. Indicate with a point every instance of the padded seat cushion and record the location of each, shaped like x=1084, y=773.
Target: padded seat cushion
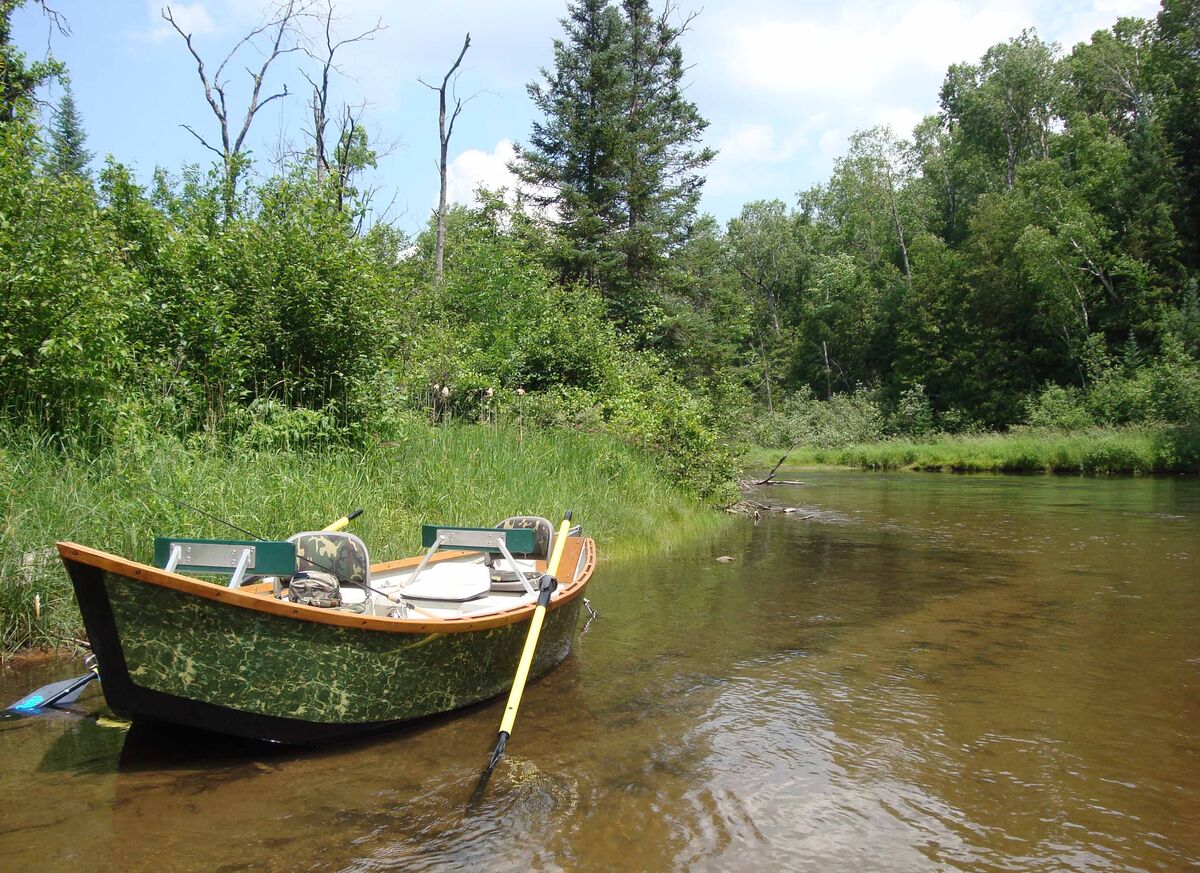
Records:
x=451, y=582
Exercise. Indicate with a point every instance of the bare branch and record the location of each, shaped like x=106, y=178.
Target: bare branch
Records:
x=321, y=85
x=204, y=142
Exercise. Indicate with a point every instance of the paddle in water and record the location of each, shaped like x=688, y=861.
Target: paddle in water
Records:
x=55, y=694
x=546, y=586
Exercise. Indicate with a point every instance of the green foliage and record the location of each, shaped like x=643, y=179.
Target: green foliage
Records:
x=1058, y=408
x=1092, y=452
x=65, y=293
x=913, y=415
x=19, y=79
x=802, y=419
x=1166, y=390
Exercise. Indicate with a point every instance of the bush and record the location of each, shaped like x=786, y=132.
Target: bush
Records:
x=64, y=292
x=913, y=415
x=843, y=420
x=1057, y=408
x=1164, y=391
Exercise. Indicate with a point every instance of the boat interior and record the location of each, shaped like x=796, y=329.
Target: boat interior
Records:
x=463, y=572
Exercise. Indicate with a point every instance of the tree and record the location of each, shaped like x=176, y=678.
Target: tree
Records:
x=571, y=162
x=279, y=31
x=1175, y=67
x=18, y=79
x=67, y=153
x=349, y=153
x=1003, y=107
x=662, y=162
x=615, y=162
x=445, y=131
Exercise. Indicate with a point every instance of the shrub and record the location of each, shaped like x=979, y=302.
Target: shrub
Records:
x=1058, y=408
x=913, y=415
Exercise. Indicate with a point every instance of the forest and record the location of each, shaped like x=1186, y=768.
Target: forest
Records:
x=1026, y=260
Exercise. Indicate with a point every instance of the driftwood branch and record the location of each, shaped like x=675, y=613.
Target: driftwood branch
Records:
x=767, y=479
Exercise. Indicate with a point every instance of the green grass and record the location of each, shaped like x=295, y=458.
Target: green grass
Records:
x=470, y=475
x=1100, y=451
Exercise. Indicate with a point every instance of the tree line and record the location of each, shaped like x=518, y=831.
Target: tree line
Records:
x=1028, y=256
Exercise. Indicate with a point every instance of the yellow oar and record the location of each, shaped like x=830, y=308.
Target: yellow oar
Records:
x=547, y=584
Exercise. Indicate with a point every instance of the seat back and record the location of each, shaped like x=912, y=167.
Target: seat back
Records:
x=482, y=539
x=233, y=558
x=337, y=552
x=543, y=534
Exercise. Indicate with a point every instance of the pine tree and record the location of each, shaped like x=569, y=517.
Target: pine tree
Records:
x=614, y=163
x=67, y=153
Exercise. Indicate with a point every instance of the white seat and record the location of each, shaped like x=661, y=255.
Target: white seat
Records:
x=449, y=582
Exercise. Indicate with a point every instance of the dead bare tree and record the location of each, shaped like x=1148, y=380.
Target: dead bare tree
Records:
x=444, y=133
x=280, y=28
x=349, y=118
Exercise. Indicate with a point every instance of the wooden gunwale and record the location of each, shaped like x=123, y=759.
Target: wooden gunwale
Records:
x=266, y=603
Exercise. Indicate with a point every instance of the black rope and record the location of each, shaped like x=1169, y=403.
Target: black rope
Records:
x=216, y=518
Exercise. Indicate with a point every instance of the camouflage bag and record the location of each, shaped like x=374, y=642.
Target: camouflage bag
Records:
x=315, y=588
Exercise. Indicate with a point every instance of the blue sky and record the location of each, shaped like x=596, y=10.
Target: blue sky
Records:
x=783, y=84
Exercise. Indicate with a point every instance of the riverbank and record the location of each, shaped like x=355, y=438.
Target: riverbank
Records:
x=116, y=500
x=1097, y=452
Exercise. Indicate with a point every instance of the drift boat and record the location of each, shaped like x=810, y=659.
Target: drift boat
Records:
x=308, y=643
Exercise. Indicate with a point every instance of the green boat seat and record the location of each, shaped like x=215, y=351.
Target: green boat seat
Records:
x=489, y=540
x=233, y=558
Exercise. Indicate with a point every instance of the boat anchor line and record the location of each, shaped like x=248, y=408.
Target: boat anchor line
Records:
x=592, y=616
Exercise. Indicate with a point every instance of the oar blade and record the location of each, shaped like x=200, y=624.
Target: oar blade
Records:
x=497, y=754
x=54, y=694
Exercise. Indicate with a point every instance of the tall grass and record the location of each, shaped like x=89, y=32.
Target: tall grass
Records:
x=1097, y=451
x=461, y=474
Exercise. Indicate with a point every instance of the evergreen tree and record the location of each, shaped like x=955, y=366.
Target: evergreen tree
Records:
x=67, y=153
x=615, y=161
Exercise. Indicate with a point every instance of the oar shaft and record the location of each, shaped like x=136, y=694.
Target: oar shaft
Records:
x=518, y=686
x=535, y=629
x=560, y=543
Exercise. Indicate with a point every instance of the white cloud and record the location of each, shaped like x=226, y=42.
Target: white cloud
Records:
x=760, y=143
x=901, y=119
x=192, y=18
x=474, y=168
x=861, y=48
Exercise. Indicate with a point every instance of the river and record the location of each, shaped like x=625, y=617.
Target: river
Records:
x=912, y=672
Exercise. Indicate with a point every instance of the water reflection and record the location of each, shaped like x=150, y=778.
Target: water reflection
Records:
x=931, y=672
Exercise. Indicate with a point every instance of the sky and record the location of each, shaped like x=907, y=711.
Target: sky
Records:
x=782, y=84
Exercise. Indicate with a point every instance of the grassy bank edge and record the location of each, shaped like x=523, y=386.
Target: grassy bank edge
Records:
x=1093, y=452
x=462, y=474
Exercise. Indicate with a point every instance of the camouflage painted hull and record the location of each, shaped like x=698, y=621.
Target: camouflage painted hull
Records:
x=179, y=650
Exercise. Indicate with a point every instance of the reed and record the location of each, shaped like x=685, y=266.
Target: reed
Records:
x=1095, y=452
x=458, y=474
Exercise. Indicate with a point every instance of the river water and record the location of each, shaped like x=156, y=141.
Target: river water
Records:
x=913, y=672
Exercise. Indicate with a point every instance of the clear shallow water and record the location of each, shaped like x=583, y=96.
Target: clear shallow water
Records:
x=932, y=672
